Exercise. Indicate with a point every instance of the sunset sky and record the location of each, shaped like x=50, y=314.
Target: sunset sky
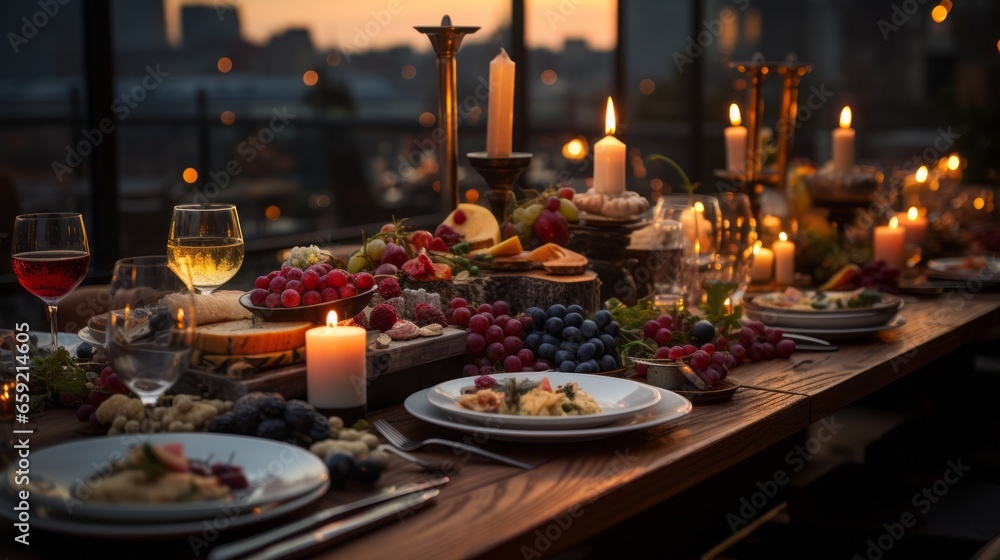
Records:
x=336, y=23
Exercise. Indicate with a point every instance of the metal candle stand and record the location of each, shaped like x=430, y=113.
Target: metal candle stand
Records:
x=501, y=173
x=446, y=40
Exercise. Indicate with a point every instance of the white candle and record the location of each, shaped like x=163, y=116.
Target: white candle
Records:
x=609, y=158
x=890, y=243
x=736, y=142
x=843, y=144
x=784, y=260
x=335, y=366
x=500, y=119
x=763, y=263
x=914, y=224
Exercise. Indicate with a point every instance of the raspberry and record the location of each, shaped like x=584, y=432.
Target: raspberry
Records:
x=485, y=382
x=459, y=217
x=389, y=288
x=383, y=317
x=425, y=314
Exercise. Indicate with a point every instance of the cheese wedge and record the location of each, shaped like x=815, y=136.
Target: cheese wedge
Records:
x=269, y=360
x=478, y=225
x=244, y=337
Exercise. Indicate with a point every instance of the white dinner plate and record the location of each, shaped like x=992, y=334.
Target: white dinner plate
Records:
x=670, y=407
x=617, y=397
x=845, y=334
x=950, y=269
x=275, y=471
x=879, y=314
x=49, y=520
x=87, y=336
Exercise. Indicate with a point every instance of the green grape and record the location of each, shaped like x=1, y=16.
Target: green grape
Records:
x=531, y=214
x=518, y=214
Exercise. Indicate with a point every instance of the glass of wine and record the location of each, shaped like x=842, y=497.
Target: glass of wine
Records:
x=50, y=257
x=150, y=325
x=206, y=240
x=727, y=275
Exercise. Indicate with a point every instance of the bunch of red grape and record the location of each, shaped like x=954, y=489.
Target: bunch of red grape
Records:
x=495, y=340
x=880, y=275
x=105, y=385
x=292, y=287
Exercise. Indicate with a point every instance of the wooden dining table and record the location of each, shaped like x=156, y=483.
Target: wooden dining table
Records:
x=578, y=490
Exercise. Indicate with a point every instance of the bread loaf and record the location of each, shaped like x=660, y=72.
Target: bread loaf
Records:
x=245, y=337
x=216, y=307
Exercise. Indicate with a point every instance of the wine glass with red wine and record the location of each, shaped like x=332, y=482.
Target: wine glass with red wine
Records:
x=50, y=257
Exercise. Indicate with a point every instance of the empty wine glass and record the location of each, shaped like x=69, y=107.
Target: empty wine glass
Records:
x=150, y=325
x=50, y=257
x=207, y=240
x=727, y=273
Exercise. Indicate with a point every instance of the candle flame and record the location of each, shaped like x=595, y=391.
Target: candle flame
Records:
x=734, y=115
x=953, y=162
x=922, y=174
x=756, y=248
x=782, y=236
x=331, y=319
x=912, y=213
x=698, y=206
x=609, y=118
x=845, y=117
x=894, y=223
x=180, y=318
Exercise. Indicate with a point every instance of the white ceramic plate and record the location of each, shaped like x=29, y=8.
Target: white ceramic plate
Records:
x=671, y=407
x=949, y=269
x=618, y=398
x=880, y=314
x=48, y=520
x=87, y=336
x=844, y=334
x=59, y=476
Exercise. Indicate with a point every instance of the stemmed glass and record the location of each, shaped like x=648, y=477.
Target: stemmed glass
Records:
x=727, y=274
x=50, y=257
x=206, y=239
x=151, y=325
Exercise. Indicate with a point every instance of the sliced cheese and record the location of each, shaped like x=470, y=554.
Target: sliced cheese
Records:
x=220, y=362
x=247, y=337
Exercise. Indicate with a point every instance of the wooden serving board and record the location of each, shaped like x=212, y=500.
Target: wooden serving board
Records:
x=521, y=289
x=394, y=373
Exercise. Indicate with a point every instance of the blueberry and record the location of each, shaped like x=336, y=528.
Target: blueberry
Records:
x=598, y=345
x=320, y=428
x=609, y=342
x=549, y=339
x=607, y=362
x=342, y=467
x=554, y=326
x=573, y=319
x=273, y=428
x=572, y=334
x=85, y=351
x=563, y=356
x=702, y=332
x=603, y=318
x=585, y=367
x=557, y=310
x=533, y=341
x=569, y=366
x=547, y=351
x=570, y=346
x=586, y=351
x=224, y=423
x=589, y=329
x=574, y=309
x=299, y=415
x=612, y=328
x=368, y=471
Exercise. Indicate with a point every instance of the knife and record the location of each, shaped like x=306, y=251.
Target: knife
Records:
x=344, y=528
x=817, y=344
x=250, y=544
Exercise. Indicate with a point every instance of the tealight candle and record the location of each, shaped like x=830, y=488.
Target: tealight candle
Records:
x=763, y=264
x=784, y=260
x=609, y=158
x=914, y=224
x=736, y=142
x=335, y=369
x=843, y=144
x=890, y=243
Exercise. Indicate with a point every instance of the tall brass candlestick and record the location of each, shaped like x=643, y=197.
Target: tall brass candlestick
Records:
x=446, y=40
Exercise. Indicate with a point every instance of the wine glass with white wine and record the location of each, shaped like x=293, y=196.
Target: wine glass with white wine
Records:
x=206, y=241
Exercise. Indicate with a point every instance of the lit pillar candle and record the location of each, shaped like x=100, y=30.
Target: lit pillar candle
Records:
x=784, y=260
x=500, y=119
x=609, y=158
x=843, y=144
x=890, y=243
x=763, y=263
x=335, y=366
x=736, y=142
x=914, y=224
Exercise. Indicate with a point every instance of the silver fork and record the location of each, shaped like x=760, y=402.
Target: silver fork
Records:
x=430, y=466
x=406, y=444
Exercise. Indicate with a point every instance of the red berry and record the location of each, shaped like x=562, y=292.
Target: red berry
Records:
x=526, y=356
x=461, y=316
x=258, y=295
x=501, y=320
x=650, y=328
x=291, y=298
x=262, y=282
x=486, y=308
x=676, y=353
x=330, y=294
x=501, y=307
x=496, y=353
x=475, y=342
x=277, y=284
x=106, y=372
x=785, y=347
x=494, y=334
x=512, y=328
x=459, y=302
x=272, y=275
x=347, y=291
x=477, y=323
x=295, y=285
x=294, y=274
x=773, y=335
x=708, y=348
x=567, y=193
x=722, y=343
x=689, y=349
x=665, y=321
x=83, y=413
x=115, y=385
x=459, y=216
x=662, y=353
x=485, y=370
x=285, y=269
x=310, y=279
x=364, y=281
x=512, y=345
x=663, y=337
x=273, y=300
x=552, y=203
x=512, y=364
x=336, y=278
x=470, y=370
x=95, y=398
x=311, y=297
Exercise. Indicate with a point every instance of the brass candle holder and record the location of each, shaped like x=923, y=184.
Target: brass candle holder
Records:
x=501, y=173
x=446, y=40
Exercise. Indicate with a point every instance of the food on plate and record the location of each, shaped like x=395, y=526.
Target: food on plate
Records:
x=972, y=263
x=476, y=223
x=625, y=205
x=161, y=473
x=218, y=306
x=530, y=398
x=795, y=299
